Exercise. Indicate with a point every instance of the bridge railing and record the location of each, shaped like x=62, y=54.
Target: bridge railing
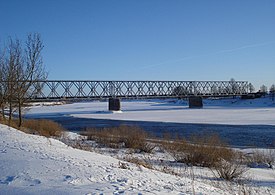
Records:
x=61, y=89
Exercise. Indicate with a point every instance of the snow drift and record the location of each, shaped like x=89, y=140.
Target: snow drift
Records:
x=32, y=164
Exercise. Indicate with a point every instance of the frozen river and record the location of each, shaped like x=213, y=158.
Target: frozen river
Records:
x=249, y=123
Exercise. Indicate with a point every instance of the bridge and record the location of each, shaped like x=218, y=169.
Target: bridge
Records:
x=114, y=90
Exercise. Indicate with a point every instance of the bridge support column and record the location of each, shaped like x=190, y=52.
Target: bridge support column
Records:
x=114, y=104
x=195, y=102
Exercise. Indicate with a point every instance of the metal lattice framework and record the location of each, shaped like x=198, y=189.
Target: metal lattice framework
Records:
x=54, y=89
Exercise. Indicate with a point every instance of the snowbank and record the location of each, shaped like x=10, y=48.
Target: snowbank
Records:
x=32, y=164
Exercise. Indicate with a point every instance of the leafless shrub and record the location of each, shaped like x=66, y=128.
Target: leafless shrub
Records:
x=261, y=158
x=204, y=152
x=176, y=149
x=244, y=189
x=229, y=170
x=136, y=138
x=239, y=186
x=211, y=152
x=122, y=136
x=106, y=136
x=45, y=128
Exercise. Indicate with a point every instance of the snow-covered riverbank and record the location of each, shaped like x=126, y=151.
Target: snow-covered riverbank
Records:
x=32, y=164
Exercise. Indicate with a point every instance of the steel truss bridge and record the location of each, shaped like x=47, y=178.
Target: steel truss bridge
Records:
x=70, y=90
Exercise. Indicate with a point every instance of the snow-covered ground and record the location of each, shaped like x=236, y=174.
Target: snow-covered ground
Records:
x=225, y=111
x=32, y=164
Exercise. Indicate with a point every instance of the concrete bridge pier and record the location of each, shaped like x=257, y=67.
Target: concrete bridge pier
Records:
x=114, y=104
x=195, y=102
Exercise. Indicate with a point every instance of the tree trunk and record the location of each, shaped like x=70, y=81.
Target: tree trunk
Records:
x=20, y=113
x=10, y=113
x=3, y=112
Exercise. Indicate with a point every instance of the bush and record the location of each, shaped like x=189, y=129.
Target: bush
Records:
x=264, y=158
x=136, y=138
x=104, y=136
x=229, y=170
x=177, y=149
x=204, y=152
x=122, y=136
x=45, y=128
x=208, y=151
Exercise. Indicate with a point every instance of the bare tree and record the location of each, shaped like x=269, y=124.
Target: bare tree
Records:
x=2, y=83
x=272, y=91
x=214, y=90
x=32, y=70
x=233, y=87
x=19, y=71
x=263, y=89
x=251, y=88
x=13, y=62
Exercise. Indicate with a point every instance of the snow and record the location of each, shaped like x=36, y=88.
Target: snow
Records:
x=225, y=111
x=32, y=164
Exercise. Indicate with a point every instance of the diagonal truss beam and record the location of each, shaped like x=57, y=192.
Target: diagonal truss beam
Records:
x=60, y=89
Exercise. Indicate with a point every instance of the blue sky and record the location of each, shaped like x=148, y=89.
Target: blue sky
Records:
x=149, y=39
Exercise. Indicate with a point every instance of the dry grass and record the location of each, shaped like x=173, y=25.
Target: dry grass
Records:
x=205, y=152
x=122, y=136
x=43, y=127
x=208, y=151
x=139, y=162
x=13, y=123
x=105, y=136
x=80, y=145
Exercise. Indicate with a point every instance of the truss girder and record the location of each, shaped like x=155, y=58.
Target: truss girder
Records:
x=134, y=89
